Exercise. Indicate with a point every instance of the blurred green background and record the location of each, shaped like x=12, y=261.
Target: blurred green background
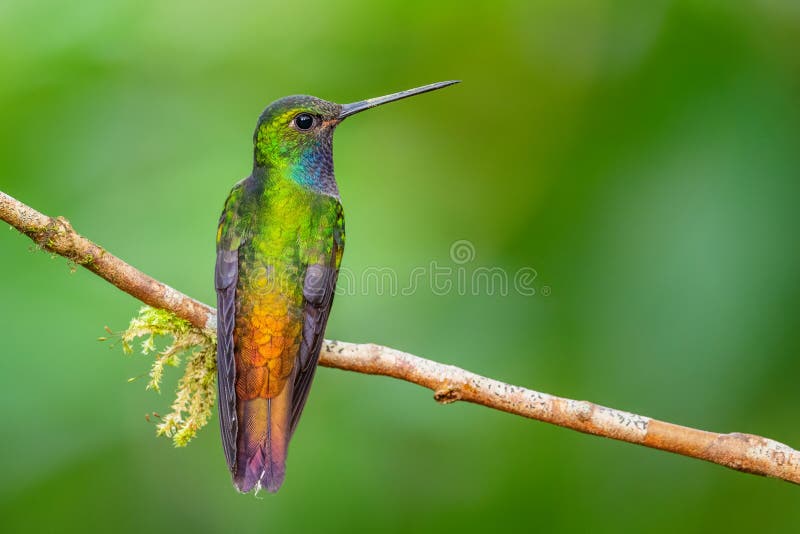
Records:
x=641, y=156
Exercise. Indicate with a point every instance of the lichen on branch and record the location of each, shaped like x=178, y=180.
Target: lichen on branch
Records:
x=196, y=393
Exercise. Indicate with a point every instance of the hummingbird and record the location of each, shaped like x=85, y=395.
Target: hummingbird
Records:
x=279, y=247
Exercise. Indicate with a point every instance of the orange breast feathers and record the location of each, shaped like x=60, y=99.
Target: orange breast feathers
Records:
x=267, y=340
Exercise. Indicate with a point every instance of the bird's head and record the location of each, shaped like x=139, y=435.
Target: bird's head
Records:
x=292, y=127
x=296, y=133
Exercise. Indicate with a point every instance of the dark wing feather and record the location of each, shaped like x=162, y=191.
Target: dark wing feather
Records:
x=318, y=290
x=226, y=275
x=227, y=269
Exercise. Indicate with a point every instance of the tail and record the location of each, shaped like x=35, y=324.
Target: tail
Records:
x=263, y=439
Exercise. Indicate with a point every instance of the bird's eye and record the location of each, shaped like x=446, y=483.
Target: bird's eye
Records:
x=304, y=121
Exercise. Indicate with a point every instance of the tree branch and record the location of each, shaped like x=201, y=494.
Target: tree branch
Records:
x=742, y=452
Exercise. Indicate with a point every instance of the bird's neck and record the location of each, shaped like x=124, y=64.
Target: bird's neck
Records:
x=312, y=170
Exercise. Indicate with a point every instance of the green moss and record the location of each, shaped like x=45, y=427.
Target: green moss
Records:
x=196, y=394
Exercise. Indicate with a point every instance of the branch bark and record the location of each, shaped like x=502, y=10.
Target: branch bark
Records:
x=742, y=452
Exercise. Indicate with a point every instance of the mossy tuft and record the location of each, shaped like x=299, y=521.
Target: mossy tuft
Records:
x=195, y=395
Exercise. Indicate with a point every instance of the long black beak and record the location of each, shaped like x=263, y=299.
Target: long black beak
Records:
x=356, y=107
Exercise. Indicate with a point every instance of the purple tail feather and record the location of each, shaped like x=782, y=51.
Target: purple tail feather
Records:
x=263, y=439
